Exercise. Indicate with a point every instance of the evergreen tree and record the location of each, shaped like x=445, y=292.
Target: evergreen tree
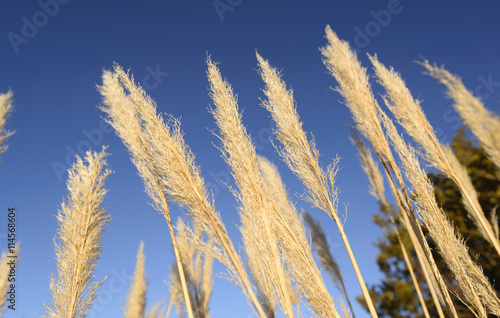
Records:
x=395, y=296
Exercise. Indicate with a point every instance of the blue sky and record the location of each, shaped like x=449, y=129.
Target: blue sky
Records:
x=53, y=62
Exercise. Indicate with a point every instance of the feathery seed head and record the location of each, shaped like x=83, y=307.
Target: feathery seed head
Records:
x=258, y=206
x=483, y=123
x=354, y=86
x=78, y=241
x=299, y=154
x=136, y=298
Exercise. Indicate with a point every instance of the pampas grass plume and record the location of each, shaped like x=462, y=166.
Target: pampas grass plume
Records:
x=136, y=297
x=354, y=86
x=302, y=157
x=78, y=241
x=483, y=123
x=257, y=205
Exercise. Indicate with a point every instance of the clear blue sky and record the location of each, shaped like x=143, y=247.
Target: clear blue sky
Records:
x=53, y=62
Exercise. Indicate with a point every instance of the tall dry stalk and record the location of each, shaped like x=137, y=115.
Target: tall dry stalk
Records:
x=480, y=296
x=354, y=86
x=483, y=123
x=176, y=292
x=257, y=205
x=410, y=115
x=170, y=305
x=377, y=190
x=427, y=269
x=124, y=116
x=494, y=222
x=326, y=258
x=295, y=246
x=301, y=157
x=168, y=168
x=197, y=267
x=136, y=297
x=5, y=111
x=78, y=240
